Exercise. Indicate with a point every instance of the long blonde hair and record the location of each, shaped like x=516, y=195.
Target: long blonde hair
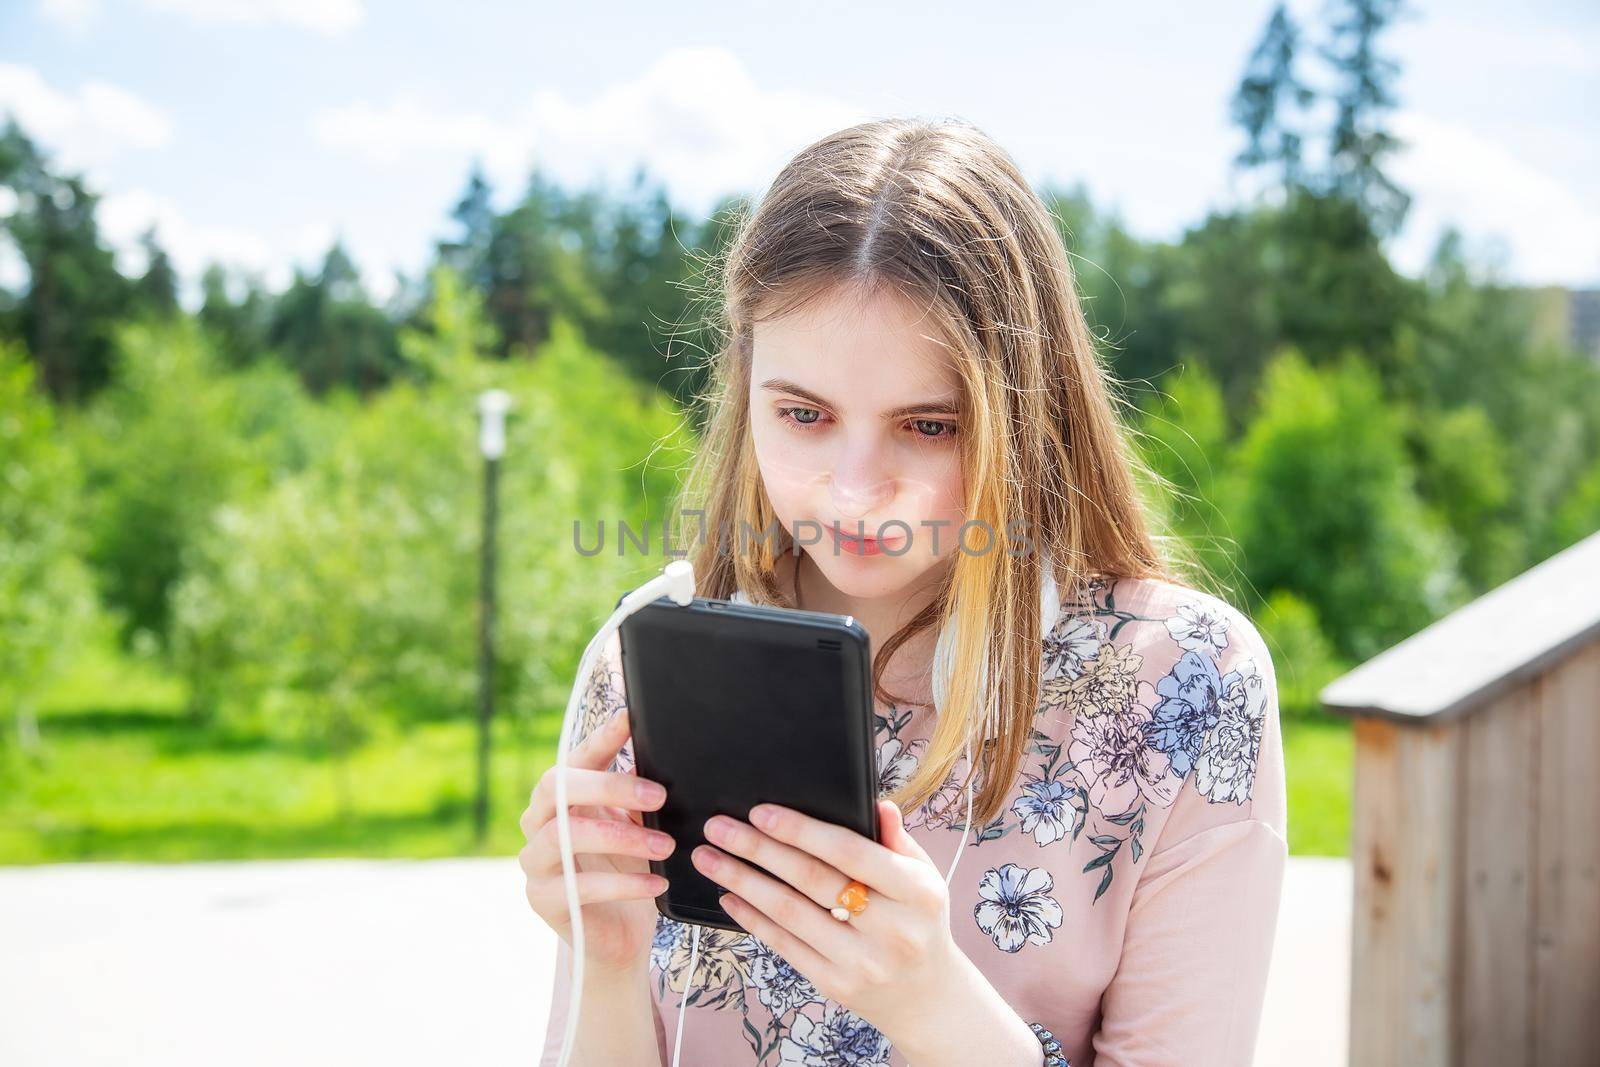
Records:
x=940, y=212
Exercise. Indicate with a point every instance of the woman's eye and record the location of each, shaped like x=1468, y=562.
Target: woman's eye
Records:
x=800, y=416
x=933, y=429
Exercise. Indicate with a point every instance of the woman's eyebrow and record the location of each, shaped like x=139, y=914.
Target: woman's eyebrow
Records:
x=937, y=405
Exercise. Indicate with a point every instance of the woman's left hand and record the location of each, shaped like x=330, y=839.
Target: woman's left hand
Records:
x=887, y=964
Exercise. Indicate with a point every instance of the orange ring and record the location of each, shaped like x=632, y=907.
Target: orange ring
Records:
x=853, y=897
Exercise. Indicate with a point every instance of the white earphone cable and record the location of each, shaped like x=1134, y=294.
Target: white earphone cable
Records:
x=688, y=983
x=675, y=581
x=966, y=827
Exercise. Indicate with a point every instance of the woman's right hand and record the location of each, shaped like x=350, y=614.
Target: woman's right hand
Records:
x=611, y=847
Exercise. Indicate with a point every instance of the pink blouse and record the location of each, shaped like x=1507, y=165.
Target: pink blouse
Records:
x=1125, y=898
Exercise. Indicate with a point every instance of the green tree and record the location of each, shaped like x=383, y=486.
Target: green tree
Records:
x=1360, y=143
x=1469, y=346
x=1302, y=658
x=1184, y=437
x=696, y=336
x=328, y=331
x=1122, y=283
x=468, y=255
x=1469, y=341
x=1463, y=472
x=46, y=599
x=639, y=256
x=1577, y=516
x=536, y=265
x=1329, y=510
x=156, y=291
x=343, y=600
x=75, y=296
x=1309, y=274
x=1334, y=288
x=166, y=444
x=1556, y=441
x=1269, y=99
x=238, y=330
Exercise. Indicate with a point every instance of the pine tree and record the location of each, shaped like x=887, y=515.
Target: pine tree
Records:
x=75, y=296
x=468, y=255
x=1359, y=142
x=156, y=291
x=1266, y=97
x=326, y=329
x=238, y=329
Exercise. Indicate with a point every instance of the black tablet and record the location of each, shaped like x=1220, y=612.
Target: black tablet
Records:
x=734, y=705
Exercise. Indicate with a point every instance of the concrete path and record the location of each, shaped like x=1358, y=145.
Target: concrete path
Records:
x=399, y=962
x=1305, y=1019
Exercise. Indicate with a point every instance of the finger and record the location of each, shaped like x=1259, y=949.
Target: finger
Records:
x=880, y=869
x=598, y=837
x=620, y=814
x=588, y=787
x=819, y=881
x=594, y=887
x=632, y=816
x=781, y=902
x=895, y=835
x=600, y=747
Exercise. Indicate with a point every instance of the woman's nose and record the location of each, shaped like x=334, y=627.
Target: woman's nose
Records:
x=860, y=482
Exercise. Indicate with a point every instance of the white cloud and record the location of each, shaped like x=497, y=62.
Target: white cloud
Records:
x=403, y=128
x=1548, y=233
x=695, y=117
x=320, y=16
x=83, y=127
x=76, y=16
x=1517, y=42
x=124, y=217
x=323, y=16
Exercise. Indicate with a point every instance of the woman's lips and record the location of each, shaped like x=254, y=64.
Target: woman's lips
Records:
x=861, y=546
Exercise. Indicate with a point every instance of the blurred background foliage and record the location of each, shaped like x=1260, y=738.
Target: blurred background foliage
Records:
x=239, y=533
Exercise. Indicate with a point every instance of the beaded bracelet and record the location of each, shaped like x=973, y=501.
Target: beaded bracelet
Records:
x=1053, y=1056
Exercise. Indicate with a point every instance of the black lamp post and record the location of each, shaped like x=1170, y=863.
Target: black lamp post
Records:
x=492, y=406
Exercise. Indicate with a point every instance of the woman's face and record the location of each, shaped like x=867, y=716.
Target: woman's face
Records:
x=853, y=415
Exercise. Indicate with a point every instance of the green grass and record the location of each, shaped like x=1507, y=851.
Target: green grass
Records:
x=122, y=775
x=1318, y=759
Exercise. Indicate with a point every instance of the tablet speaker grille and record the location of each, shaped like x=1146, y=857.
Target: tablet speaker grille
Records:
x=829, y=644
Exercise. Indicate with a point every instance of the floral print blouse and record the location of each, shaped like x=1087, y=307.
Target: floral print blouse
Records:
x=1125, y=898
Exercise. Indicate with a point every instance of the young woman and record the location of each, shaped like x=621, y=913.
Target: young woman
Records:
x=906, y=361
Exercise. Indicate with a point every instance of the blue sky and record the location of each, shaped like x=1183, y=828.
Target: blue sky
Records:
x=254, y=131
